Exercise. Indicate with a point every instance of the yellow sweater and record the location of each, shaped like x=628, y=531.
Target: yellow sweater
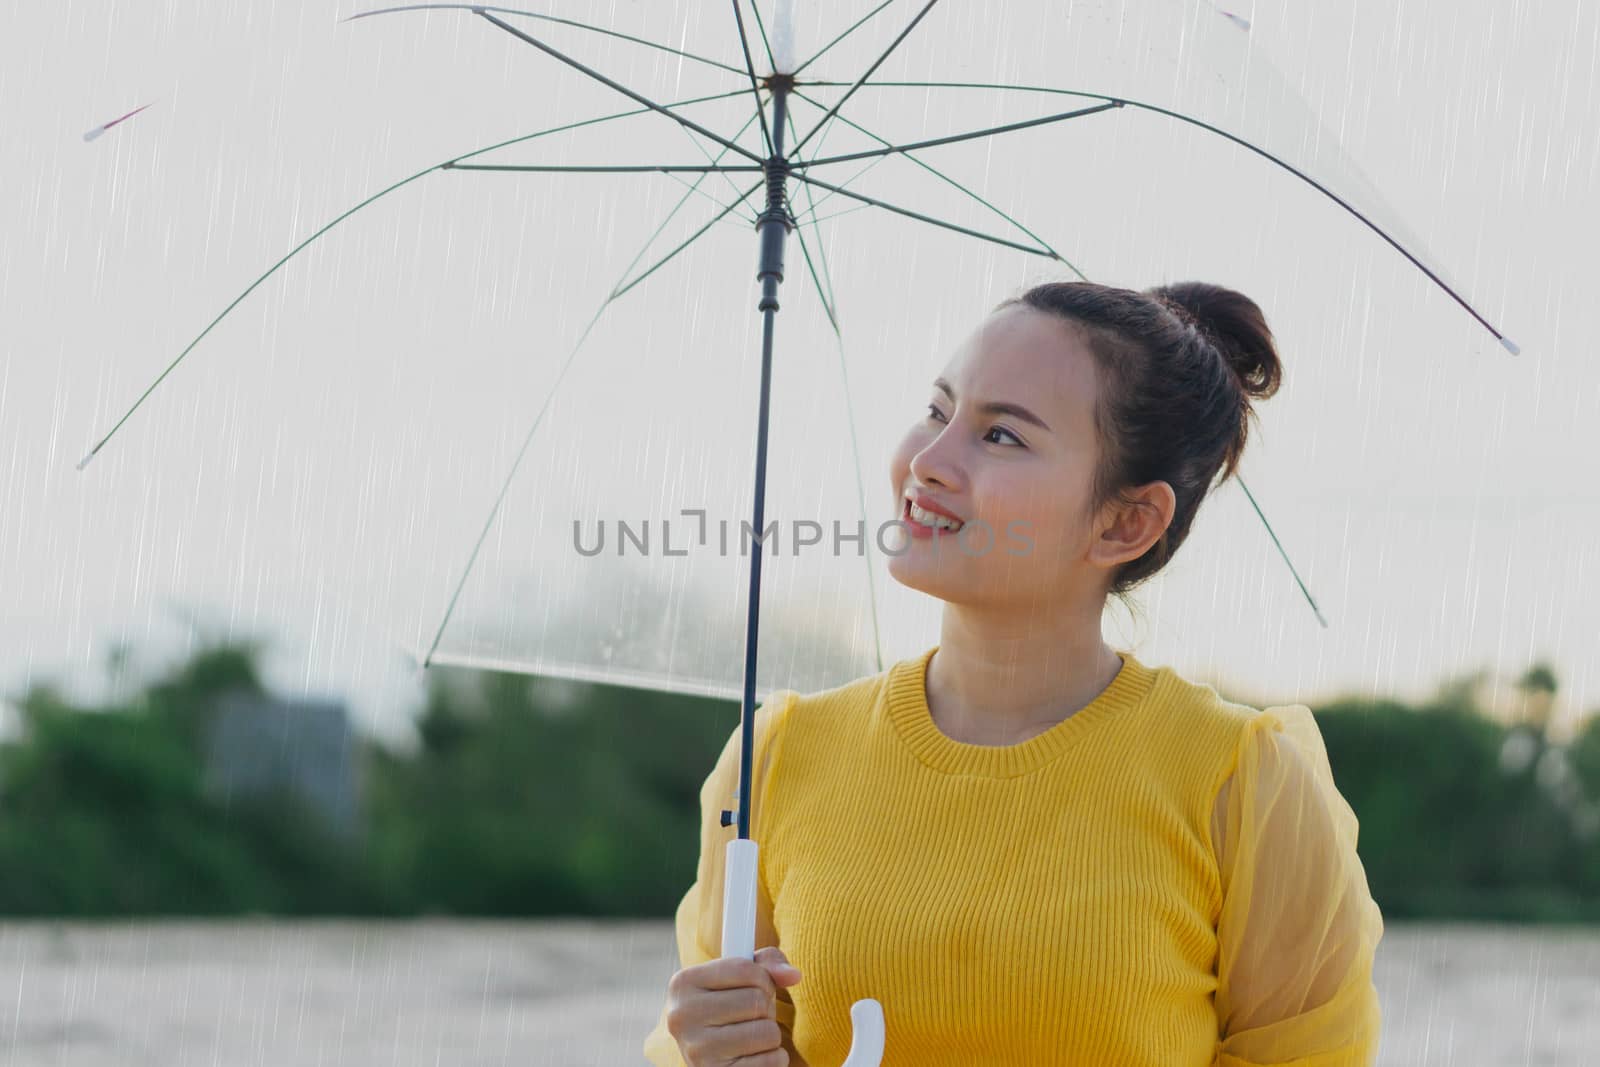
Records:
x=1162, y=879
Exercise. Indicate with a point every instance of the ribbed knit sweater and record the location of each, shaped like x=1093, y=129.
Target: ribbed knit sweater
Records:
x=1161, y=879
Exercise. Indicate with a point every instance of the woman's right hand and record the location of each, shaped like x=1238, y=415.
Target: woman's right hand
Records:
x=724, y=1012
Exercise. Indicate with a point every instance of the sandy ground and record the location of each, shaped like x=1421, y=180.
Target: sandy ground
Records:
x=572, y=993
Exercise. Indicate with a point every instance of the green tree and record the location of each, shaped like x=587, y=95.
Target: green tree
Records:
x=514, y=806
x=103, y=811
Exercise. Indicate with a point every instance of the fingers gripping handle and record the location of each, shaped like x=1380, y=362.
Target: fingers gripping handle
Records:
x=739, y=939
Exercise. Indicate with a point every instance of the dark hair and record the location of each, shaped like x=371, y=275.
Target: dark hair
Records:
x=1177, y=367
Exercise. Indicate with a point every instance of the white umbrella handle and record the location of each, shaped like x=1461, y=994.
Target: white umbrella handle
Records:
x=739, y=939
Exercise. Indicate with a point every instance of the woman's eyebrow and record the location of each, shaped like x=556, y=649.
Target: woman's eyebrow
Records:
x=997, y=407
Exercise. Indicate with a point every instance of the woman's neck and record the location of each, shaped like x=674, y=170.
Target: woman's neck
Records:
x=1001, y=681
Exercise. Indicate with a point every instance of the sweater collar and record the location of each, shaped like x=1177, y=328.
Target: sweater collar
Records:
x=906, y=701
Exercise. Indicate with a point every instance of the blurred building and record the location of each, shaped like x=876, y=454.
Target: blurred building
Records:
x=259, y=746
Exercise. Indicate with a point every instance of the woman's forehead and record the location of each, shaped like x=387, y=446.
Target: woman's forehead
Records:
x=1029, y=357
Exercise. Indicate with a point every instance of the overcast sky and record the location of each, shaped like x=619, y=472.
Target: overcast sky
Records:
x=318, y=468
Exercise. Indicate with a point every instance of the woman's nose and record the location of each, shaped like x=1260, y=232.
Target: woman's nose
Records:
x=937, y=464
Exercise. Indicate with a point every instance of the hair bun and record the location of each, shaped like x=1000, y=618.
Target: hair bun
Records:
x=1237, y=327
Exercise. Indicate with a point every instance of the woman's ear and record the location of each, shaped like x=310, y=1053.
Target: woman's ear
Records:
x=1132, y=523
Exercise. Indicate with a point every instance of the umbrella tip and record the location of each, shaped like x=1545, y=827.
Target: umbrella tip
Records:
x=419, y=668
x=783, y=42
x=1511, y=346
x=412, y=656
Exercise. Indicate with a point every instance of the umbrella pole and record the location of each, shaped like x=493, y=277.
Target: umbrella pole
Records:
x=773, y=226
x=741, y=862
x=740, y=865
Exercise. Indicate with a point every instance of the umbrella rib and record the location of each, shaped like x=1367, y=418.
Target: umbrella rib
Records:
x=811, y=216
x=816, y=205
x=340, y=218
x=750, y=69
x=549, y=18
x=711, y=167
x=842, y=36
x=623, y=89
x=700, y=147
x=1505, y=342
x=686, y=243
x=817, y=150
x=864, y=76
x=669, y=170
x=664, y=168
x=726, y=209
x=826, y=294
x=806, y=178
x=1307, y=593
x=750, y=220
x=943, y=177
x=954, y=138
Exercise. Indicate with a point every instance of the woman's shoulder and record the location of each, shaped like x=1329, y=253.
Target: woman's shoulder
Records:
x=848, y=698
x=831, y=714
x=1195, y=708
x=1242, y=724
x=1190, y=701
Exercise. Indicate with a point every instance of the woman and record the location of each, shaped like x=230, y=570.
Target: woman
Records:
x=1029, y=847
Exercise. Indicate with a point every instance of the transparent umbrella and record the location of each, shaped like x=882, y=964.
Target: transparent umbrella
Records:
x=675, y=493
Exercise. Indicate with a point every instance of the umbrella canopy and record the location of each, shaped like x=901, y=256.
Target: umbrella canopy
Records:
x=590, y=456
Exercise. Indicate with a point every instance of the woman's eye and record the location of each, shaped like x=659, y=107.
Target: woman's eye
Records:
x=1000, y=429
x=934, y=413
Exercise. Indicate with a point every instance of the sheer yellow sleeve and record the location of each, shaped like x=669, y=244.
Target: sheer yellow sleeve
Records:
x=699, y=916
x=1299, y=929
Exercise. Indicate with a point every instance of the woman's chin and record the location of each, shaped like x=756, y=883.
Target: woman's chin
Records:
x=955, y=579
x=930, y=576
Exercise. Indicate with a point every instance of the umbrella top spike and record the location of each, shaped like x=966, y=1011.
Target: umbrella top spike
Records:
x=783, y=49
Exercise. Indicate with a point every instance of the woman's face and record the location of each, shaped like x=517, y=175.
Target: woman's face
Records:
x=1008, y=446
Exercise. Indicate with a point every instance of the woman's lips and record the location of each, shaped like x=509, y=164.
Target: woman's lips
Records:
x=916, y=529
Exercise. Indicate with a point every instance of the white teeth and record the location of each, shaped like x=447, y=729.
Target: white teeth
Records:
x=931, y=518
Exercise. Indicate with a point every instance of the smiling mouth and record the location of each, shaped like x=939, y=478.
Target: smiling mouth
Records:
x=933, y=521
